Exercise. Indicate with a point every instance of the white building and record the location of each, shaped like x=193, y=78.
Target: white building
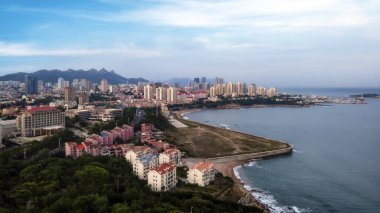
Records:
x=201, y=173
x=6, y=128
x=171, y=155
x=163, y=177
x=61, y=84
x=135, y=152
x=143, y=164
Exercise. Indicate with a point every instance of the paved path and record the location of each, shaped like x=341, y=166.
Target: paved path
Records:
x=176, y=123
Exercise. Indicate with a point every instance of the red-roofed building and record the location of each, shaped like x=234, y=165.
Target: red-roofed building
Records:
x=201, y=173
x=163, y=177
x=171, y=155
x=81, y=149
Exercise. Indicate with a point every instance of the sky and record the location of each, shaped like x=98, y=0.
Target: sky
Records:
x=283, y=43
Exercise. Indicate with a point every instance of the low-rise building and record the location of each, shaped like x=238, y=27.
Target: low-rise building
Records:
x=163, y=177
x=201, y=173
x=171, y=155
x=7, y=128
x=137, y=151
x=143, y=163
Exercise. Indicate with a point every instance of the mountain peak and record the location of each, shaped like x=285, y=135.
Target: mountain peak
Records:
x=93, y=75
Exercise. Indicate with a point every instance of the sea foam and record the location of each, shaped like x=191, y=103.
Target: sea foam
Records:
x=265, y=197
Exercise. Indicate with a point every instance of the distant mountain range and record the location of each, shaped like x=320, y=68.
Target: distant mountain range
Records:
x=93, y=75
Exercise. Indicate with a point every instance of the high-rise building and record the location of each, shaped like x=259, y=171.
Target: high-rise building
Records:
x=271, y=92
x=148, y=92
x=218, y=80
x=76, y=83
x=61, y=84
x=230, y=88
x=261, y=90
x=69, y=94
x=241, y=88
x=204, y=80
x=31, y=85
x=196, y=80
x=252, y=90
x=104, y=85
x=161, y=94
x=83, y=98
x=171, y=94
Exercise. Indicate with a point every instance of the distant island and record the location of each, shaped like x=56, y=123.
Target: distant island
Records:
x=367, y=95
x=70, y=74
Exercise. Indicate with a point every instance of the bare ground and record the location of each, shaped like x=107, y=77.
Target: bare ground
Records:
x=206, y=141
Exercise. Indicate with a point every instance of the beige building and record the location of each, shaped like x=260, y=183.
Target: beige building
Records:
x=171, y=94
x=40, y=121
x=252, y=90
x=148, y=92
x=201, y=173
x=171, y=155
x=271, y=92
x=143, y=164
x=104, y=85
x=163, y=177
x=161, y=93
x=261, y=90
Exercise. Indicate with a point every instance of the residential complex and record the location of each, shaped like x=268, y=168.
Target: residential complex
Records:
x=163, y=177
x=201, y=173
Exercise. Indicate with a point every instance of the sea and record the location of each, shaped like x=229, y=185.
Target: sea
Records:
x=335, y=166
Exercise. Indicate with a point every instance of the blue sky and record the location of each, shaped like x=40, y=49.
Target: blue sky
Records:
x=284, y=43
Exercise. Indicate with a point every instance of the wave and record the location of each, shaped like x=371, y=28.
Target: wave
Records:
x=265, y=197
x=253, y=163
x=296, y=151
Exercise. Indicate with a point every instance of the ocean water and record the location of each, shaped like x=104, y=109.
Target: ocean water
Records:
x=335, y=164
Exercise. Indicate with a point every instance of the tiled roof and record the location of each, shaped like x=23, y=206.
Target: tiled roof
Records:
x=41, y=109
x=164, y=168
x=202, y=166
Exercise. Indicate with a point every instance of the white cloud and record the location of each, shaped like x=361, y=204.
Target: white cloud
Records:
x=28, y=49
x=248, y=13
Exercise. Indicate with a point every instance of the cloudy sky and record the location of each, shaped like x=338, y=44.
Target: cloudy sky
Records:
x=285, y=43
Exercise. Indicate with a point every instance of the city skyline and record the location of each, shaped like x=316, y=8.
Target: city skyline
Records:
x=292, y=44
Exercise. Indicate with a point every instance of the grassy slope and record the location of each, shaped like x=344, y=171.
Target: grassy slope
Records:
x=202, y=140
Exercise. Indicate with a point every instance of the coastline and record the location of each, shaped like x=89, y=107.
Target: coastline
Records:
x=228, y=165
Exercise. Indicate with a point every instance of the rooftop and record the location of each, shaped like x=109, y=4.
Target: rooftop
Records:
x=164, y=168
x=202, y=166
x=41, y=109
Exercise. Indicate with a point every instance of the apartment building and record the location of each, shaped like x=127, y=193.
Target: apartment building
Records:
x=201, y=173
x=143, y=164
x=163, y=177
x=171, y=155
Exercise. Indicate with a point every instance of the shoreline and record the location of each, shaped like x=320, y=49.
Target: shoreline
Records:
x=227, y=165
x=185, y=110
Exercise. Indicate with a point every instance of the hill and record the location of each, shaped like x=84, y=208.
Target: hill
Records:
x=93, y=75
